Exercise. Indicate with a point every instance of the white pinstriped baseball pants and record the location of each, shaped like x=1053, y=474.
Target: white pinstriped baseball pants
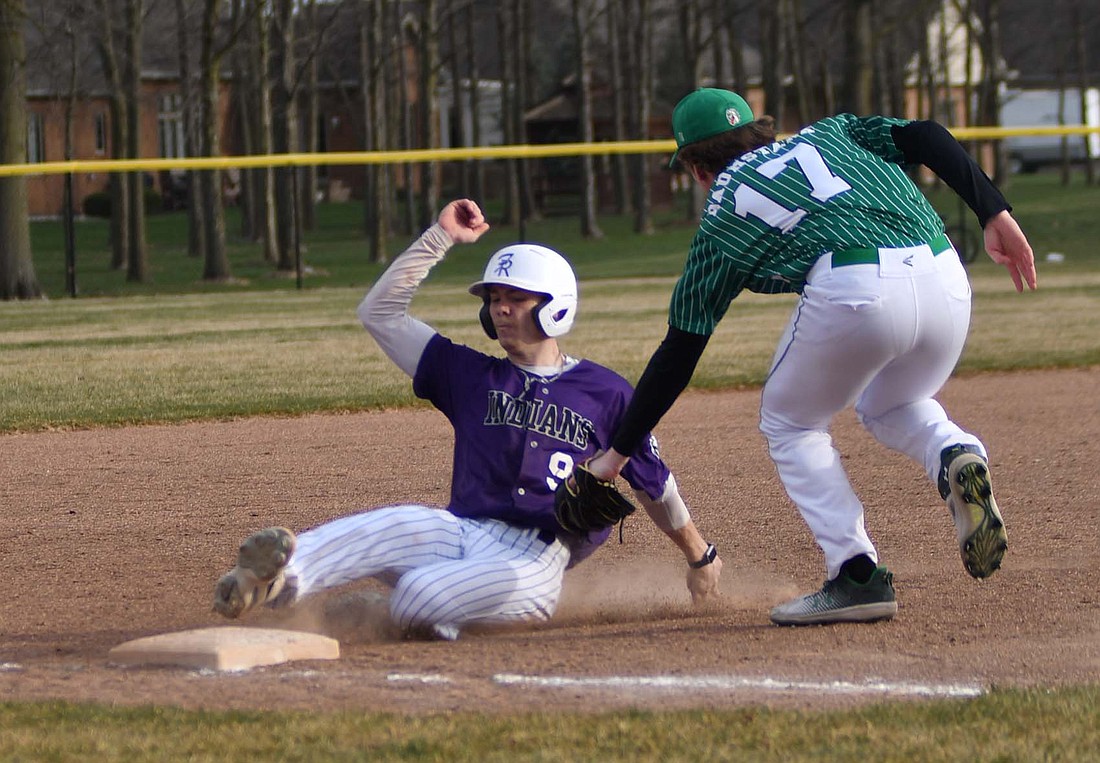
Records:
x=447, y=572
x=886, y=338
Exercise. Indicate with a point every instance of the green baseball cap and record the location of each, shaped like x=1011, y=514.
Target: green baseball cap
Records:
x=705, y=113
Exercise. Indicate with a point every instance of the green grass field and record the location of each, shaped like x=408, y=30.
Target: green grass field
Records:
x=178, y=349
x=1034, y=725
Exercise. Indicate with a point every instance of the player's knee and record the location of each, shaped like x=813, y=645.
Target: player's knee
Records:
x=773, y=426
x=418, y=603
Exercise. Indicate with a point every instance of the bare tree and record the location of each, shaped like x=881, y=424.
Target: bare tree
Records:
x=284, y=129
x=506, y=26
x=1078, y=25
x=314, y=33
x=619, y=169
x=215, y=259
x=477, y=171
x=107, y=42
x=374, y=58
x=137, y=267
x=692, y=39
x=428, y=109
x=857, y=96
x=196, y=228
x=403, y=27
x=796, y=44
x=452, y=20
x=17, y=276
x=521, y=42
x=638, y=20
x=262, y=129
x=585, y=14
x=771, y=60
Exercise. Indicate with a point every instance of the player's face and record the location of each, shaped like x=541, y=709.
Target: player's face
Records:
x=511, y=312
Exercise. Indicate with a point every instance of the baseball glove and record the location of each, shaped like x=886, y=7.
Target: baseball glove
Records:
x=586, y=503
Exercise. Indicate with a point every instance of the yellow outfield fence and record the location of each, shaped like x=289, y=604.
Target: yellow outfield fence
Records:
x=524, y=151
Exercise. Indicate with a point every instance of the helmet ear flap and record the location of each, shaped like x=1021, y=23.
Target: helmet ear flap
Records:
x=555, y=315
x=486, y=319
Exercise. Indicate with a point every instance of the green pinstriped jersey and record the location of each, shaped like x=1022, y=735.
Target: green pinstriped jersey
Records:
x=838, y=184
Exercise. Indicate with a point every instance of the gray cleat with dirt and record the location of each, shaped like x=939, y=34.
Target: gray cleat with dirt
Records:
x=258, y=577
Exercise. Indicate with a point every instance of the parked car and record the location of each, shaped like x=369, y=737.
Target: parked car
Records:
x=1040, y=108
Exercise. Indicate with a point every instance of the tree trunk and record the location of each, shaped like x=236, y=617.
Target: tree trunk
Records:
x=404, y=124
x=243, y=109
x=477, y=169
x=116, y=105
x=619, y=171
x=215, y=260
x=428, y=111
x=771, y=58
x=17, y=277
x=640, y=23
x=506, y=28
x=1077, y=19
x=794, y=24
x=691, y=35
x=858, y=46
x=284, y=132
x=265, y=224
x=137, y=269
x=311, y=102
x=196, y=230
x=376, y=200
x=522, y=43
x=584, y=13
x=460, y=135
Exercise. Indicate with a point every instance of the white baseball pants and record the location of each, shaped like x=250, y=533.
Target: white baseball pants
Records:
x=447, y=572
x=885, y=337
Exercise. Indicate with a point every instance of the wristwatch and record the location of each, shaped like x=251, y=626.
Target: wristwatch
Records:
x=708, y=556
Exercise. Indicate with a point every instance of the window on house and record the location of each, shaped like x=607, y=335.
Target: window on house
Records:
x=170, y=126
x=101, y=133
x=36, y=139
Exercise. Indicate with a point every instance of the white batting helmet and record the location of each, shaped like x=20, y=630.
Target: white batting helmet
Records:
x=537, y=269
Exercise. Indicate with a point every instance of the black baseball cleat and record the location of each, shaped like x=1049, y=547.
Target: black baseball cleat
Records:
x=965, y=485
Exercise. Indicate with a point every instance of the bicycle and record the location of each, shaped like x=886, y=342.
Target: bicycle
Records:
x=965, y=240
x=967, y=243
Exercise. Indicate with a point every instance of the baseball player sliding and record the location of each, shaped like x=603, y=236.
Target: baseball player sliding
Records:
x=884, y=311
x=497, y=552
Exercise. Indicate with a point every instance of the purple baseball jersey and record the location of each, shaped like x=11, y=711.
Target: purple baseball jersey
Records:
x=518, y=435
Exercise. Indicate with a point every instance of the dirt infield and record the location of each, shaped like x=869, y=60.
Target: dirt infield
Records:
x=116, y=534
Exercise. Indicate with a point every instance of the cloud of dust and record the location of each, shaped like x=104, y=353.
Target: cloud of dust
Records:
x=644, y=590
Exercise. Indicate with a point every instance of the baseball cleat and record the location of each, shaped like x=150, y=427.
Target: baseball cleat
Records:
x=978, y=523
x=842, y=600
x=258, y=577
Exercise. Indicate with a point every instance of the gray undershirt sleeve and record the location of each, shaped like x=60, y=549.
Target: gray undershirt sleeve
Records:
x=384, y=311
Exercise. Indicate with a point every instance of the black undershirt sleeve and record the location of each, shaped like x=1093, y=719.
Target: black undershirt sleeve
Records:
x=929, y=143
x=668, y=373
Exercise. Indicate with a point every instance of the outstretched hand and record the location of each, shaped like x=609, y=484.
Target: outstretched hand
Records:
x=463, y=221
x=1008, y=246
x=703, y=582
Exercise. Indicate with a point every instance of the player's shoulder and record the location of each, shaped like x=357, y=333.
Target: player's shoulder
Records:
x=598, y=374
x=442, y=347
x=851, y=124
x=598, y=383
